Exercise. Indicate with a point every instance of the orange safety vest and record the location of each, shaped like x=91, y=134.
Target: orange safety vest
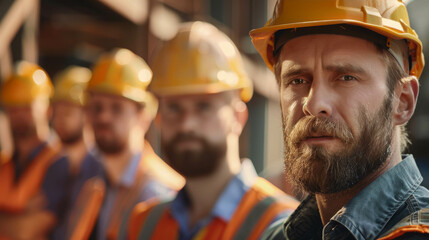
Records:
x=91, y=197
x=85, y=212
x=417, y=222
x=257, y=209
x=15, y=196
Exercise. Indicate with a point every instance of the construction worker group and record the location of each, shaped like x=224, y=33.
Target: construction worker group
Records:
x=79, y=166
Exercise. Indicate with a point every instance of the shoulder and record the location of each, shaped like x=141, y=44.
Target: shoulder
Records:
x=274, y=231
x=263, y=188
x=413, y=226
x=143, y=211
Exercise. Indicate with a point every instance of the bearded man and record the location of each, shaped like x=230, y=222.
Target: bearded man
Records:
x=202, y=87
x=348, y=80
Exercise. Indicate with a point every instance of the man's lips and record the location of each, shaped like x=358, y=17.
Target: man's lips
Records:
x=318, y=138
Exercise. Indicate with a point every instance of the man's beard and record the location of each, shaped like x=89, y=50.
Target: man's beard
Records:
x=23, y=131
x=315, y=170
x=72, y=137
x=108, y=145
x=194, y=163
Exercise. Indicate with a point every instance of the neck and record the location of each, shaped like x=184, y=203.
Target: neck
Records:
x=115, y=164
x=24, y=147
x=330, y=204
x=75, y=153
x=204, y=191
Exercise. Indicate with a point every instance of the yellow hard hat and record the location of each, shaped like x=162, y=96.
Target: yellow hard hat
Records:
x=27, y=83
x=388, y=18
x=200, y=59
x=123, y=73
x=70, y=85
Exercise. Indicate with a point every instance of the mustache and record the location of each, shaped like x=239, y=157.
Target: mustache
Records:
x=103, y=126
x=186, y=136
x=309, y=125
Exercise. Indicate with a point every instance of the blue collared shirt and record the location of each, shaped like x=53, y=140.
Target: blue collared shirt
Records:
x=55, y=182
x=150, y=189
x=373, y=211
x=224, y=207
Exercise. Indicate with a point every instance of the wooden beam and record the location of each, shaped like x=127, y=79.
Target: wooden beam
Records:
x=29, y=37
x=134, y=10
x=6, y=65
x=13, y=20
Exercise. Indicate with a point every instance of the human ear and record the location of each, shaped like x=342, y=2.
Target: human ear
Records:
x=241, y=115
x=406, y=93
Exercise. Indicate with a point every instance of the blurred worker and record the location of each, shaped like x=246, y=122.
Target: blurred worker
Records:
x=119, y=107
x=348, y=76
x=85, y=172
x=33, y=179
x=68, y=119
x=202, y=86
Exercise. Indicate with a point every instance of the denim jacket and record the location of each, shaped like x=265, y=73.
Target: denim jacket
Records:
x=371, y=213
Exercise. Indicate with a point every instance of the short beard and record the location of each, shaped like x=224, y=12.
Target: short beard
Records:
x=23, y=132
x=315, y=170
x=72, y=138
x=192, y=163
x=110, y=146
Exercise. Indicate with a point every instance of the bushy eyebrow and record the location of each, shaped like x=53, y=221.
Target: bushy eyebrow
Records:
x=344, y=68
x=293, y=70
x=341, y=68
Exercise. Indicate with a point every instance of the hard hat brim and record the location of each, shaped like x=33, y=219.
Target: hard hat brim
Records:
x=262, y=38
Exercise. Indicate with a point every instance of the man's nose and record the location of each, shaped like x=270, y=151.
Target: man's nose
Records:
x=189, y=122
x=318, y=102
x=103, y=115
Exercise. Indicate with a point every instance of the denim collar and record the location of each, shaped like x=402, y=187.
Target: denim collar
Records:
x=366, y=215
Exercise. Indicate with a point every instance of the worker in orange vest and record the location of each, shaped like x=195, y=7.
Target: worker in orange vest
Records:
x=348, y=78
x=33, y=180
x=202, y=86
x=68, y=118
x=72, y=128
x=120, y=111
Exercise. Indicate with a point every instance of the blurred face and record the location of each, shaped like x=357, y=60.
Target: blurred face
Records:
x=68, y=121
x=28, y=121
x=21, y=121
x=112, y=118
x=194, y=131
x=337, y=113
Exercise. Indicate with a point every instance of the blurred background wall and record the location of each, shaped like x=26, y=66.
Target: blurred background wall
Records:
x=57, y=33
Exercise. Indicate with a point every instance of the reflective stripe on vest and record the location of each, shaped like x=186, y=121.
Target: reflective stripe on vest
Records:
x=417, y=222
x=257, y=209
x=152, y=220
x=253, y=218
x=86, y=209
x=15, y=196
x=151, y=167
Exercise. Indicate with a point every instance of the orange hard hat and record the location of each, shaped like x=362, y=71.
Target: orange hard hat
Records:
x=123, y=73
x=200, y=59
x=70, y=85
x=388, y=18
x=27, y=83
